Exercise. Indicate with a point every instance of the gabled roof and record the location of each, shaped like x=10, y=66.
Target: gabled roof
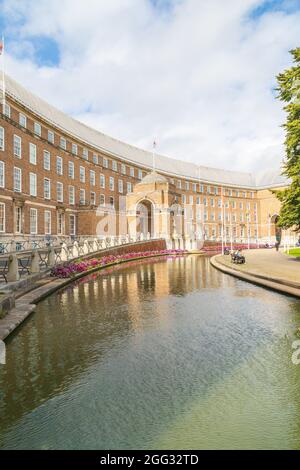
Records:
x=130, y=153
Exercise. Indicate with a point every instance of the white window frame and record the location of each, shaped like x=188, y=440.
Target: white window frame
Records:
x=2, y=174
x=33, y=230
x=51, y=137
x=59, y=166
x=74, y=149
x=71, y=195
x=71, y=170
x=17, y=145
x=60, y=223
x=63, y=143
x=47, y=190
x=59, y=192
x=2, y=205
x=2, y=138
x=82, y=199
x=37, y=129
x=33, y=184
x=102, y=181
x=111, y=183
x=92, y=178
x=47, y=160
x=22, y=120
x=82, y=174
x=72, y=225
x=32, y=153
x=17, y=171
x=47, y=230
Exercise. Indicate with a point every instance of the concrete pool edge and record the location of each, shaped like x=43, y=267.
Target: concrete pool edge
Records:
x=279, y=285
x=26, y=303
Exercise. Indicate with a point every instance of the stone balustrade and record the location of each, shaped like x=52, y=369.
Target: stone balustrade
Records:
x=19, y=262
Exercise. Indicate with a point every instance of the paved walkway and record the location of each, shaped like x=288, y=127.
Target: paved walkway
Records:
x=265, y=267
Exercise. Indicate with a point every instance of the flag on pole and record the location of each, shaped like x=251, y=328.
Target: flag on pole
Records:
x=1, y=46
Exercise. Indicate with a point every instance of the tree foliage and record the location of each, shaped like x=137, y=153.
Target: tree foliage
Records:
x=289, y=92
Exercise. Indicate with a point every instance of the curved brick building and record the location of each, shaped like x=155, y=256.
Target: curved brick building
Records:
x=59, y=177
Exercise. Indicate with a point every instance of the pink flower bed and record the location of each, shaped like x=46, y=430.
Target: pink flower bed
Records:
x=82, y=266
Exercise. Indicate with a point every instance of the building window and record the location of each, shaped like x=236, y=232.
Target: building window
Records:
x=105, y=163
x=111, y=201
x=32, y=184
x=19, y=219
x=102, y=181
x=111, y=183
x=82, y=174
x=120, y=186
x=59, y=165
x=82, y=197
x=132, y=172
x=17, y=146
x=201, y=188
x=59, y=192
x=183, y=198
x=95, y=159
x=140, y=174
x=198, y=202
x=74, y=149
x=37, y=129
x=60, y=223
x=85, y=153
x=2, y=174
x=187, y=185
x=71, y=195
x=93, y=198
x=47, y=215
x=191, y=200
x=2, y=217
x=17, y=180
x=212, y=202
x=194, y=187
x=63, y=143
x=51, y=137
x=47, y=188
x=7, y=110
x=33, y=221
x=32, y=154
x=123, y=169
x=2, y=140
x=22, y=120
x=179, y=184
x=47, y=160
x=102, y=200
x=71, y=170
x=92, y=178
x=114, y=165
x=72, y=225
x=129, y=188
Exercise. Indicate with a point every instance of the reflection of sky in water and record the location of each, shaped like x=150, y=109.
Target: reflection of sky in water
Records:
x=153, y=354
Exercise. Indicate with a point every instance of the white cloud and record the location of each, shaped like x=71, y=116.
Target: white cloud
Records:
x=198, y=76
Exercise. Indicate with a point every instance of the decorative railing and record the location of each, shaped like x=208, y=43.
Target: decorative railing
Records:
x=33, y=256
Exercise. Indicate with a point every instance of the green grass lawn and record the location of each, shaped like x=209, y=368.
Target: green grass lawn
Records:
x=294, y=252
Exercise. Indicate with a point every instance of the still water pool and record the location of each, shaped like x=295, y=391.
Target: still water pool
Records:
x=165, y=354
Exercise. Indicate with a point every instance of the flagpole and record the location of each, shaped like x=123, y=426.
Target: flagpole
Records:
x=153, y=156
x=3, y=77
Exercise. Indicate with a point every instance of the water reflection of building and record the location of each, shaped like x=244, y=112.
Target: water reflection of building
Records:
x=79, y=325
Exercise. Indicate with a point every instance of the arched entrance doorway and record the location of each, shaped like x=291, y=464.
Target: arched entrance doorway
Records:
x=276, y=231
x=144, y=218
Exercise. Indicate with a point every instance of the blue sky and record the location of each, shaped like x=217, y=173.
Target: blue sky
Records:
x=197, y=75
